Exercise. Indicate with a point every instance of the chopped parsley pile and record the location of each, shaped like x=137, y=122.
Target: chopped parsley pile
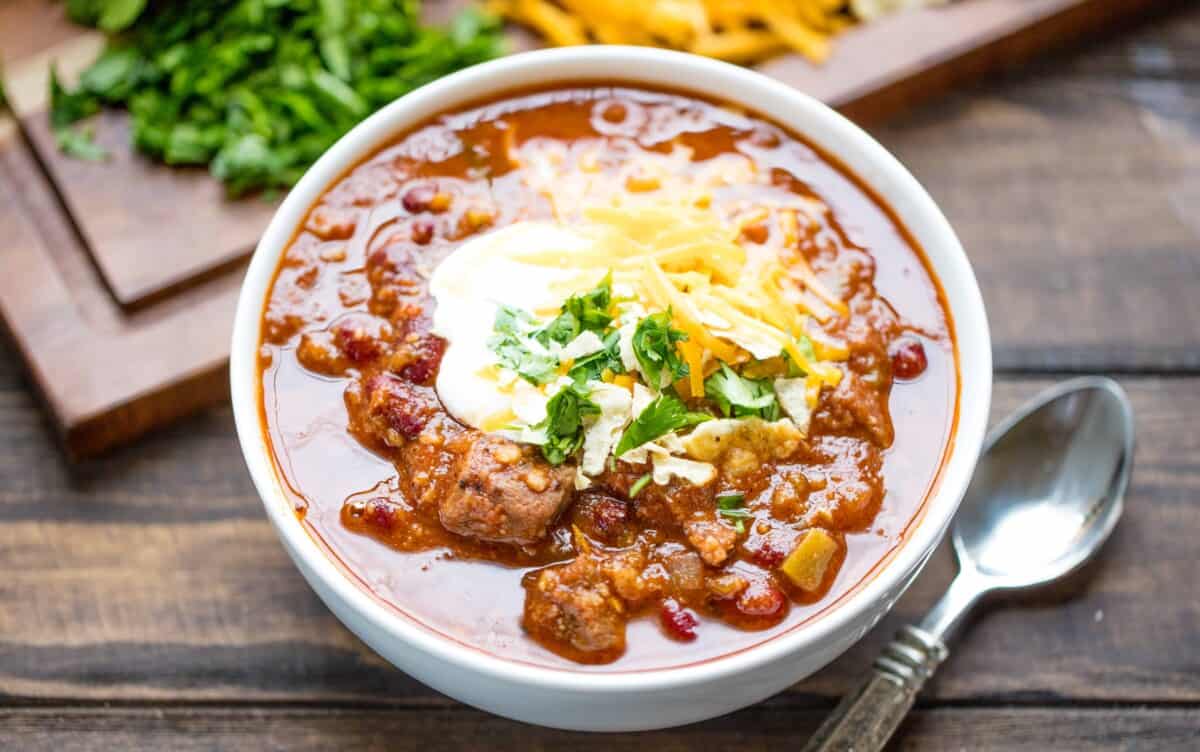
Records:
x=580, y=351
x=255, y=89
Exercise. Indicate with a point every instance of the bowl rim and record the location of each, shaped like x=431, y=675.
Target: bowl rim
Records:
x=624, y=65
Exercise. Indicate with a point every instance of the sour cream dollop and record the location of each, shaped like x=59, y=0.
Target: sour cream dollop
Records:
x=470, y=286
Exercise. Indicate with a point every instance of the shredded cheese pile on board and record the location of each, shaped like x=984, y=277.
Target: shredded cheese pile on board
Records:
x=741, y=31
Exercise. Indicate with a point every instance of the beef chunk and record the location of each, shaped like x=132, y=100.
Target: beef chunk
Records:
x=390, y=409
x=319, y=353
x=361, y=337
x=504, y=493
x=847, y=488
x=581, y=606
x=711, y=539
x=418, y=357
x=855, y=404
x=603, y=518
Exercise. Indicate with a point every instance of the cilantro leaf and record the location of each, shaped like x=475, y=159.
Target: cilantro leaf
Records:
x=114, y=74
x=109, y=15
x=729, y=506
x=654, y=347
x=515, y=355
x=69, y=107
x=740, y=397
x=590, y=309
x=581, y=312
x=592, y=367
x=513, y=320
x=665, y=414
x=78, y=143
x=119, y=14
x=516, y=351
x=728, y=501
x=564, y=423
x=562, y=330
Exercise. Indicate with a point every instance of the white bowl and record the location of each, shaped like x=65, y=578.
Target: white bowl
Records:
x=631, y=700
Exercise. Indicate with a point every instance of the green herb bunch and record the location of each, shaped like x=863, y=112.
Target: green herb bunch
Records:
x=257, y=89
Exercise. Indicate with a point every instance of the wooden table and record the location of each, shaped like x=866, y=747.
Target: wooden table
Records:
x=146, y=604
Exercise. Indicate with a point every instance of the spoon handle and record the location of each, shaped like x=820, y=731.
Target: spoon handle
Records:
x=868, y=716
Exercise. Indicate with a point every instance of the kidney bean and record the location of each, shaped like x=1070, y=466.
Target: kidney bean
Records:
x=908, y=359
x=679, y=622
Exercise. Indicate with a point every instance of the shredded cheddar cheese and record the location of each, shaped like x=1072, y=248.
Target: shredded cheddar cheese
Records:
x=734, y=30
x=734, y=308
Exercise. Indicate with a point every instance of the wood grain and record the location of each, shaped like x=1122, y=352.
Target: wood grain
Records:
x=903, y=60
x=105, y=374
x=1077, y=202
x=152, y=230
x=29, y=26
x=153, y=576
x=762, y=728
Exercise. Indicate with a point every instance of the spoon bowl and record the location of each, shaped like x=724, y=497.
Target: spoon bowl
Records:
x=1049, y=489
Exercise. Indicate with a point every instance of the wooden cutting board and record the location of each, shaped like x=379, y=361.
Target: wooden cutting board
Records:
x=119, y=279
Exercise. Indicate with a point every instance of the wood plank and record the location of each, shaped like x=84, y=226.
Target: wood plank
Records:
x=164, y=230
x=1164, y=47
x=105, y=374
x=151, y=230
x=765, y=727
x=1077, y=203
x=889, y=66
x=29, y=26
x=224, y=615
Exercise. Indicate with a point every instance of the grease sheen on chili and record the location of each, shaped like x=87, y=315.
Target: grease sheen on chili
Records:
x=372, y=460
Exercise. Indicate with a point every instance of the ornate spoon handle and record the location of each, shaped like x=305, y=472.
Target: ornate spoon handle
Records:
x=868, y=716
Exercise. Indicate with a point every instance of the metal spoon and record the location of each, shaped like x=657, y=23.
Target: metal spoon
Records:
x=1046, y=494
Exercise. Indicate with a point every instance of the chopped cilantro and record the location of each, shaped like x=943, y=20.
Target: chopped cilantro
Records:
x=109, y=15
x=78, y=143
x=590, y=309
x=654, y=347
x=258, y=89
x=67, y=107
x=729, y=506
x=592, y=367
x=515, y=351
x=513, y=320
x=580, y=313
x=728, y=501
x=665, y=414
x=639, y=484
x=740, y=397
x=562, y=330
x=563, y=426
